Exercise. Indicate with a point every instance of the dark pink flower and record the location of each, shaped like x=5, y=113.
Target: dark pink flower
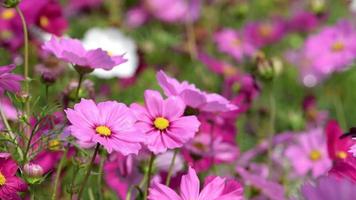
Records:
x=163, y=122
x=72, y=51
x=261, y=34
x=10, y=184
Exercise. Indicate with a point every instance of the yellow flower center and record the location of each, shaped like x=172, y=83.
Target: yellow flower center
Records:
x=8, y=14
x=338, y=46
x=54, y=145
x=161, y=123
x=2, y=179
x=315, y=155
x=341, y=154
x=103, y=130
x=44, y=21
x=265, y=30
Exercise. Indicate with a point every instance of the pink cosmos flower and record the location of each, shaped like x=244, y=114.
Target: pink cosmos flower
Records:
x=174, y=10
x=121, y=172
x=261, y=34
x=192, y=96
x=109, y=123
x=337, y=51
x=72, y=51
x=216, y=189
x=270, y=189
x=163, y=122
x=232, y=43
x=10, y=184
x=329, y=188
x=9, y=81
x=309, y=153
x=303, y=21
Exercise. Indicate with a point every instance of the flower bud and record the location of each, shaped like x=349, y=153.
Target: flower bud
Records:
x=33, y=170
x=264, y=67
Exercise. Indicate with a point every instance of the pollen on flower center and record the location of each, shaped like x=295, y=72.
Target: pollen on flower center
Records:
x=341, y=154
x=315, y=155
x=161, y=123
x=44, y=21
x=2, y=179
x=265, y=30
x=338, y=46
x=103, y=130
x=8, y=14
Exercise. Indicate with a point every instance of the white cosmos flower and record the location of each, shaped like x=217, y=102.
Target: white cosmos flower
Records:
x=116, y=43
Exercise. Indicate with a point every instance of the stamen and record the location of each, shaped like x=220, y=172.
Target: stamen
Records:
x=103, y=130
x=161, y=123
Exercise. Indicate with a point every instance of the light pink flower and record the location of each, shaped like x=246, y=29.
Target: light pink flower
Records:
x=232, y=43
x=109, y=123
x=217, y=188
x=72, y=51
x=164, y=123
x=329, y=188
x=192, y=96
x=310, y=153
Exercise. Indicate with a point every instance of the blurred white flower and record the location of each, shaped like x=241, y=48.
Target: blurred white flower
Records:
x=116, y=43
x=163, y=162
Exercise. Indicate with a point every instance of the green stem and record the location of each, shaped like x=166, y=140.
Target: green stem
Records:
x=81, y=76
x=101, y=166
x=11, y=134
x=58, y=172
x=88, y=171
x=171, y=166
x=272, y=124
x=340, y=113
x=149, y=175
x=26, y=63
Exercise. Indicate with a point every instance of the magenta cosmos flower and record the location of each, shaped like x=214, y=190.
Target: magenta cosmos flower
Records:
x=164, y=123
x=109, y=123
x=217, y=188
x=232, y=43
x=310, y=153
x=192, y=96
x=329, y=188
x=9, y=81
x=72, y=51
x=10, y=184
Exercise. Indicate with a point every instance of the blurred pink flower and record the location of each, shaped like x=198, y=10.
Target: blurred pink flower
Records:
x=216, y=188
x=109, y=123
x=261, y=34
x=9, y=81
x=10, y=184
x=232, y=43
x=77, y=5
x=192, y=96
x=136, y=16
x=329, y=188
x=163, y=122
x=121, y=172
x=174, y=10
x=304, y=21
x=267, y=188
x=72, y=51
x=309, y=153
x=332, y=49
